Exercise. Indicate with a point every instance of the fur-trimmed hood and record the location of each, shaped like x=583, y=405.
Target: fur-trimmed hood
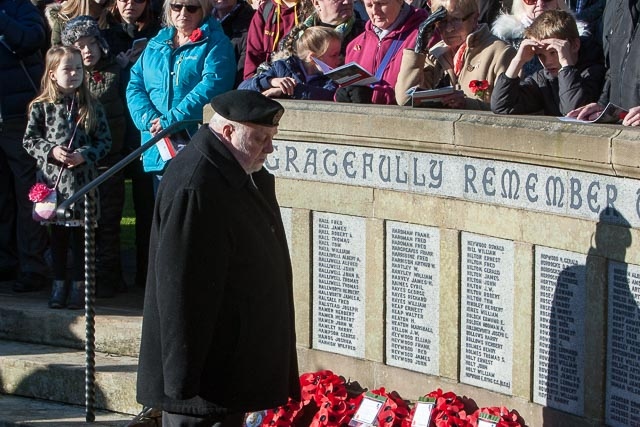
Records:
x=510, y=28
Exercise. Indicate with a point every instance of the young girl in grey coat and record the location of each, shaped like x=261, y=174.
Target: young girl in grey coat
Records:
x=67, y=134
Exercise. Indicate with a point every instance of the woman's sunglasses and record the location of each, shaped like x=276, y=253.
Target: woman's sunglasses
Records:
x=532, y=2
x=189, y=7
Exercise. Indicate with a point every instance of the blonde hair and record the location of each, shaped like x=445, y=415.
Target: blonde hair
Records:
x=553, y=24
x=303, y=40
x=205, y=5
x=50, y=91
x=73, y=8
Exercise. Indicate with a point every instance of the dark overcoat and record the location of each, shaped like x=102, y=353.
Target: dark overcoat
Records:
x=218, y=328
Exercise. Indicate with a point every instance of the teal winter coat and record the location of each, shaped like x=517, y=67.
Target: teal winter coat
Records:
x=176, y=84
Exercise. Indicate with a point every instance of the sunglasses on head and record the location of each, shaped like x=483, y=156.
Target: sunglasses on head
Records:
x=189, y=7
x=532, y=2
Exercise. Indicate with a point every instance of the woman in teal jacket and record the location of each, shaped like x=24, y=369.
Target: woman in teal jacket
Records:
x=189, y=62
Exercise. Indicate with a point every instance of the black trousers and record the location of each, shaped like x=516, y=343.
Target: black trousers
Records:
x=108, y=262
x=143, y=200
x=181, y=420
x=63, y=238
x=18, y=175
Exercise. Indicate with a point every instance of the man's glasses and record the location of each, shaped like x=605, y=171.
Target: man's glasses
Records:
x=189, y=7
x=532, y=2
x=453, y=22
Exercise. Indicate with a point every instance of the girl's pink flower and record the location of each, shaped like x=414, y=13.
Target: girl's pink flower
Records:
x=39, y=192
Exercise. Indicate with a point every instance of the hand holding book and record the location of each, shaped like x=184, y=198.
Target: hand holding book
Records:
x=347, y=74
x=595, y=113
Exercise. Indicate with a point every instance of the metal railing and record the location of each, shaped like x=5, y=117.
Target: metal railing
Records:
x=64, y=212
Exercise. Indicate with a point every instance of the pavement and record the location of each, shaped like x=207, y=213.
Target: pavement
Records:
x=117, y=339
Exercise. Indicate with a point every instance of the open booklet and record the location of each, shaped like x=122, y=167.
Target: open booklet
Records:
x=611, y=114
x=347, y=74
x=428, y=97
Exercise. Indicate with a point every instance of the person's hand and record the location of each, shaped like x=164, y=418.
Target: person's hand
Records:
x=74, y=160
x=586, y=112
x=274, y=92
x=122, y=59
x=285, y=84
x=355, y=94
x=66, y=157
x=633, y=117
x=527, y=51
x=156, y=127
x=455, y=100
x=425, y=30
x=60, y=153
x=563, y=48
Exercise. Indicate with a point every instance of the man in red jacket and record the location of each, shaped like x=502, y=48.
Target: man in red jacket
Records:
x=273, y=20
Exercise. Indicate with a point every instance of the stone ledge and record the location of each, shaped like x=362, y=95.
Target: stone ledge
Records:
x=54, y=373
x=545, y=141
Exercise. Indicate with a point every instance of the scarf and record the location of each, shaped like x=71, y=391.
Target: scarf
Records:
x=458, y=59
x=343, y=29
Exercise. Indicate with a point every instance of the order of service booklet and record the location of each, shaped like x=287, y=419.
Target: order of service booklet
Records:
x=428, y=97
x=171, y=145
x=347, y=74
x=611, y=114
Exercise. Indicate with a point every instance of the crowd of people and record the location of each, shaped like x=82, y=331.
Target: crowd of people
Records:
x=84, y=82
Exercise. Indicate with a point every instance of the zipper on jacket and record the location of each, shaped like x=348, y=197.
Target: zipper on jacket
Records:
x=626, y=56
x=177, y=70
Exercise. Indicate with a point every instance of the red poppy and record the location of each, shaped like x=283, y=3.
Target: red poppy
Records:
x=195, y=35
x=476, y=85
x=97, y=77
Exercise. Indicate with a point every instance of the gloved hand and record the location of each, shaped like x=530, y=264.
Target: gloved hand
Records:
x=425, y=30
x=355, y=94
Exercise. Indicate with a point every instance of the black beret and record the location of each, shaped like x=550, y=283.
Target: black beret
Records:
x=248, y=106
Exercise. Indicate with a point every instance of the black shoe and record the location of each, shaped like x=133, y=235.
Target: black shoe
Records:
x=30, y=282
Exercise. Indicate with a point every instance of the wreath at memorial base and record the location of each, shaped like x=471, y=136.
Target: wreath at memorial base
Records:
x=451, y=410
x=329, y=400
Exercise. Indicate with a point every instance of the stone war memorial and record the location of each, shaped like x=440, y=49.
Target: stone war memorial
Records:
x=493, y=256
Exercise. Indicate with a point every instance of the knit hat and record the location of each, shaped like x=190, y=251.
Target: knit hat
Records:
x=83, y=26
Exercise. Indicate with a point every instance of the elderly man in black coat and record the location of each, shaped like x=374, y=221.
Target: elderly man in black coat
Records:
x=218, y=333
